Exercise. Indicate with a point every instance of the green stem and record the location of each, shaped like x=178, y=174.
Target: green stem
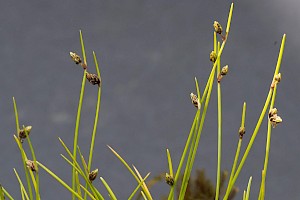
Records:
x=187, y=144
x=78, y=115
x=237, y=152
x=259, y=120
x=96, y=116
x=219, y=131
x=22, y=150
x=189, y=167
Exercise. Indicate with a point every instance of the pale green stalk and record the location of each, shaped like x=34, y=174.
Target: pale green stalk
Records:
x=78, y=184
x=21, y=184
x=60, y=181
x=248, y=188
x=88, y=193
x=259, y=120
x=170, y=163
x=7, y=194
x=144, y=187
x=21, y=150
x=111, y=194
x=189, y=166
x=1, y=193
x=96, y=118
x=25, y=158
x=187, y=144
x=139, y=185
x=37, y=191
x=96, y=115
x=78, y=114
x=143, y=195
x=268, y=145
x=238, y=147
x=84, y=174
x=219, y=127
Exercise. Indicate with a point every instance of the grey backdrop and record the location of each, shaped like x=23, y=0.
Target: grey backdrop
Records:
x=150, y=52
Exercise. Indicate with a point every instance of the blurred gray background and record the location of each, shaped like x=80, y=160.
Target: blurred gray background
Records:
x=150, y=52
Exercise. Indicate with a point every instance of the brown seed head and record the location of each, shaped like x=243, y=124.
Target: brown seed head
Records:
x=195, y=100
x=224, y=70
x=93, y=79
x=76, y=58
x=169, y=179
x=277, y=78
x=218, y=28
x=274, y=117
x=93, y=174
x=242, y=132
x=23, y=133
x=213, y=56
x=30, y=165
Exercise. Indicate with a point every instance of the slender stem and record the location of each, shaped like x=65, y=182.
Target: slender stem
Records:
x=78, y=115
x=37, y=191
x=219, y=130
x=189, y=167
x=259, y=120
x=263, y=112
x=170, y=163
x=237, y=152
x=60, y=181
x=187, y=144
x=248, y=188
x=96, y=116
x=22, y=150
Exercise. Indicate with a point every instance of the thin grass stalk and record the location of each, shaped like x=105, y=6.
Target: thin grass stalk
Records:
x=1, y=193
x=268, y=146
x=7, y=194
x=22, y=150
x=141, y=178
x=111, y=193
x=78, y=184
x=21, y=184
x=183, y=187
x=262, y=187
x=143, y=195
x=197, y=89
x=145, y=189
x=81, y=172
x=189, y=159
x=78, y=114
x=83, y=162
x=244, y=195
x=219, y=94
x=96, y=115
x=25, y=158
x=188, y=168
x=187, y=144
x=170, y=163
x=88, y=193
x=248, y=188
x=237, y=152
x=60, y=180
x=37, y=180
x=139, y=185
x=22, y=194
x=96, y=193
x=78, y=170
x=263, y=112
x=257, y=127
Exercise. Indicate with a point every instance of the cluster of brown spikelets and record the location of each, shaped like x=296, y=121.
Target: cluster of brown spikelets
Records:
x=92, y=78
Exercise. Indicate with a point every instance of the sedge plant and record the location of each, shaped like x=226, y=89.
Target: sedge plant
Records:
x=177, y=176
